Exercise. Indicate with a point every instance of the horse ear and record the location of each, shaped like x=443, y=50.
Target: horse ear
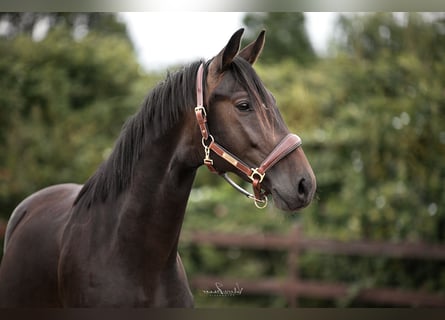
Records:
x=223, y=60
x=253, y=50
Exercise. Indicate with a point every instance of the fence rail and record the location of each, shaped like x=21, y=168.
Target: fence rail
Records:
x=2, y=228
x=293, y=287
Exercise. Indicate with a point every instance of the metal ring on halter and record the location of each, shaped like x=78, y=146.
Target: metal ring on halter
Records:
x=203, y=141
x=263, y=202
x=207, y=160
x=259, y=203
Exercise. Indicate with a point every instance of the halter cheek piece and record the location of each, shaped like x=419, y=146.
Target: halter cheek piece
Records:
x=256, y=175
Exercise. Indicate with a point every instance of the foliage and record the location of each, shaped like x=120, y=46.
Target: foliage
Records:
x=372, y=131
x=62, y=104
x=286, y=36
x=37, y=24
x=387, y=128
x=371, y=118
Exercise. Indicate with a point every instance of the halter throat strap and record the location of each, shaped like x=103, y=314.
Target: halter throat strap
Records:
x=256, y=175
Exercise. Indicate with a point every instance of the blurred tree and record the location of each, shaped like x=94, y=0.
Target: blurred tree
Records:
x=286, y=36
x=400, y=108
x=372, y=121
x=370, y=36
x=38, y=24
x=63, y=100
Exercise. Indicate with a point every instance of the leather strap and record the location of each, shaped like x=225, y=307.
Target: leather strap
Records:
x=233, y=160
x=286, y=146
x=200, y=111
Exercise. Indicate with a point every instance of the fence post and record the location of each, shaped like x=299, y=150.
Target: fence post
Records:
x=292, y=265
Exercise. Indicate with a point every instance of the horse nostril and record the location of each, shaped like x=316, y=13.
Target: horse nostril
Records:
x=303, y=188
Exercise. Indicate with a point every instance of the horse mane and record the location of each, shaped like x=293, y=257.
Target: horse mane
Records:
x=161, y=109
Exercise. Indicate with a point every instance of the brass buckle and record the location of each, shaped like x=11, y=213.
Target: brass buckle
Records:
x=202, y=109
x=257, y=173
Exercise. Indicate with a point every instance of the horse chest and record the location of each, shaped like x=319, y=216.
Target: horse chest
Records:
x=112, y=285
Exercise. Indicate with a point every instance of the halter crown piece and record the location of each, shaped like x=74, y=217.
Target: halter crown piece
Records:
x=256, y=175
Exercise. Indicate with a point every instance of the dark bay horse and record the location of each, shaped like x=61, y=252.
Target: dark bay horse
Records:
x=113, y=241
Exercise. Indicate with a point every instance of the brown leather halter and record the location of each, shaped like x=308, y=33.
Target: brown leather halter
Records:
x=256, y=175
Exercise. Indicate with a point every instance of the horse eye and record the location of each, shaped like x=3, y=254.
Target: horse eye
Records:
x=243, y=106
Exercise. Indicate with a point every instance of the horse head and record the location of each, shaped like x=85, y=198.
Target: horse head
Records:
x=241, y=124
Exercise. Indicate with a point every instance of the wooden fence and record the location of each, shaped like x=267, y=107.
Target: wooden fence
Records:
x=2, y=228
x=294, y=287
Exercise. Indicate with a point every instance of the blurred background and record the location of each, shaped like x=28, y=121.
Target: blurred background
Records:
x=366, y=92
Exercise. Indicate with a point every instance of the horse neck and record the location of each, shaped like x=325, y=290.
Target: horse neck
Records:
x=153, y=207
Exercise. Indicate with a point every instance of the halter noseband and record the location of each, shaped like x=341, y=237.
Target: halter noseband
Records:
x=256, y=175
